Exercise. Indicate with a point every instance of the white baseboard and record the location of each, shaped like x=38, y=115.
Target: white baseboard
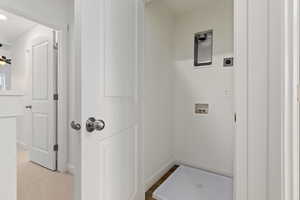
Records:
x=157, y=175
x=71, y=169
x=22, y=146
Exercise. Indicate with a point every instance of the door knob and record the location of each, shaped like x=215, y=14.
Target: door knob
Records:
x=75, y=126
x=94, y=125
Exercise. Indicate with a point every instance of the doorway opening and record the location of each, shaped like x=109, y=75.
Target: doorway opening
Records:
x=30, y=62
x=188, y=99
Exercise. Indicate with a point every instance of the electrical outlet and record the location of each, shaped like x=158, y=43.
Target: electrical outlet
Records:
x=228, y=62
x=201, y=109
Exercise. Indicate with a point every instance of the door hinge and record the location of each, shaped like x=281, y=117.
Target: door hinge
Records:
x=55, y=147
x=235, y=118
x=55, y=97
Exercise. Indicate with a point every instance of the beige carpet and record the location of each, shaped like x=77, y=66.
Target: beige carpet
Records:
x=38, y=183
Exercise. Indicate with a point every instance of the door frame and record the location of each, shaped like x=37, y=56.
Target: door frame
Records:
x=241, y=99
x=291, y=91
x=290, y=118
x=62, y=85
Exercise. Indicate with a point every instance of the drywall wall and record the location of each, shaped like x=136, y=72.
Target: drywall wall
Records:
x=157, y=100
x=217, y=15
x=204, y=141
x=48, y=12
x=21, y=76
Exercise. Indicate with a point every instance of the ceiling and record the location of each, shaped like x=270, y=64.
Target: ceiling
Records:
x=13, y=27
x=182, y=6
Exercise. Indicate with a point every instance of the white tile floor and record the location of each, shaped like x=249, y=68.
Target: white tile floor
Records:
x=194, y=184
x=38, y=183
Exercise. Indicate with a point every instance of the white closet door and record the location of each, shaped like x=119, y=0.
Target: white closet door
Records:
x=43, y=104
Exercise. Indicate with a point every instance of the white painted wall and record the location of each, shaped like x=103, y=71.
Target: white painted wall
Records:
x=48, y=12
x=204, y=141
x=217, y=15
x=157, y=90
x=10, y=108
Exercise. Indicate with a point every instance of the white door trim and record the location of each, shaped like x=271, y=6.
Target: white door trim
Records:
x=63, y=100
x=290, y=107
x=141, y=64
x=290, y=116
x=62, y=105
x=241, y=99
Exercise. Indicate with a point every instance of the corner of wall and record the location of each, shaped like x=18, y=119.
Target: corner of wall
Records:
x=158, y=174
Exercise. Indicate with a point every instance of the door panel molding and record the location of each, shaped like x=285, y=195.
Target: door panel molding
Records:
x=44, y=108
x=120, y=47
x=40, y=126
x=40, y=82
x=110, y=93
x=124, y=143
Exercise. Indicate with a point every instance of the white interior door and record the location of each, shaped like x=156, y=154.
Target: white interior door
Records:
x=110, y=158
x=43, y=104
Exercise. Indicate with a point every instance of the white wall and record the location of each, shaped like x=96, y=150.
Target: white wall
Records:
x=217, y=15
x=48, y=12
x=157, y=90
x=204, y=141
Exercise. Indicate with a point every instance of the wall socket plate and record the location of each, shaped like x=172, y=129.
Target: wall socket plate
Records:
x=228, y=62
x=201, y=109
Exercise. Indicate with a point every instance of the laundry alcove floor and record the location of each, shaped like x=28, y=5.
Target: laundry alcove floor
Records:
x=183, y=182
x=38, y=183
